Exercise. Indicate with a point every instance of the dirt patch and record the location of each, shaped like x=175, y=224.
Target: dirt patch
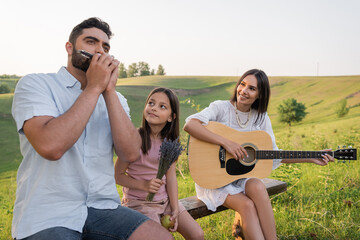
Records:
x=178, y=91
x=5, y=116
x=187, y=92
x=355, y=94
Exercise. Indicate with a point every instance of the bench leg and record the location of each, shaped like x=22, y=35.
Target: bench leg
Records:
x=236, y=228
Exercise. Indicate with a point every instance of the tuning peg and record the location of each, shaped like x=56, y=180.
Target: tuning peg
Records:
x=350, y=146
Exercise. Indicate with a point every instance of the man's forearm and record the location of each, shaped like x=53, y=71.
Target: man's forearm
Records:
x=126, y=138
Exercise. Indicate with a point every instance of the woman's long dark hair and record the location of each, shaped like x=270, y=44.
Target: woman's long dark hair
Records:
x=170, y=130
x=263, y=85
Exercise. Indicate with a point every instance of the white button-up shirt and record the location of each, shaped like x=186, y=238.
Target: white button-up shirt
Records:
x=223, y=111
x=57, y=193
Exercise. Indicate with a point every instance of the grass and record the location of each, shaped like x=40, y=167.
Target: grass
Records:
x=5, y=106
x=9, y=161
x=184, y=82
x=321, y=202
x=324, y=213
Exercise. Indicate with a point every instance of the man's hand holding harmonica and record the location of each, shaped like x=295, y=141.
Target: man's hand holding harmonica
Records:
x=102, y=72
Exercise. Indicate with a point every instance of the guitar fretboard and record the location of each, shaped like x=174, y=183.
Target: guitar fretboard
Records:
x=280, y=154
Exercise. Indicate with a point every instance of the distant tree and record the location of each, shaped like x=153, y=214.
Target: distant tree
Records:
x=4, y=88
x=341, y=109
x=7, y=76
x=143, y=69
x=291, y=111
x=152, y=72
x=122, y=71
x=160, y=70
x=132, y=70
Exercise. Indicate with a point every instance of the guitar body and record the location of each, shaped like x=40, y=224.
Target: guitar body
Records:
x=205, y=165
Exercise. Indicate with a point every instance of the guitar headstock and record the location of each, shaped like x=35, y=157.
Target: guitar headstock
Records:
x=346, y=154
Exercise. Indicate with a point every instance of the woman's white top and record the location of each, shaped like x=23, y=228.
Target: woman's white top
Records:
x=223, y=111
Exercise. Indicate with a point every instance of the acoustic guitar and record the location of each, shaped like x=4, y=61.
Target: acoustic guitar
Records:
x=211, y=166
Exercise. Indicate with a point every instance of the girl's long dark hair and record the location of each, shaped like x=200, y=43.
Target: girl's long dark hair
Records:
x=170, y=130
x=263, y=85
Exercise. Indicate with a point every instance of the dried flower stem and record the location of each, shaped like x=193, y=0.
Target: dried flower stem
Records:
x=168, y=153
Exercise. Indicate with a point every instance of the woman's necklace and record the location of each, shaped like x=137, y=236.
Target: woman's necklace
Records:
x=242, y=125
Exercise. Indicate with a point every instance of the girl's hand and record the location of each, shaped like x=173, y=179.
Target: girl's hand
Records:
x=153, y=185
x=174, y=215
x=235, y=149
x=323, y=161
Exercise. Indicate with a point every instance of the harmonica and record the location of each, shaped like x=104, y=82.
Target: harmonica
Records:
x=85, y=54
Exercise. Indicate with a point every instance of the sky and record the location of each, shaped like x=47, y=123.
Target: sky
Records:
x=191, y=37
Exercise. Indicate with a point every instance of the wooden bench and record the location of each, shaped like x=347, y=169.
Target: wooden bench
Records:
x=198, y=209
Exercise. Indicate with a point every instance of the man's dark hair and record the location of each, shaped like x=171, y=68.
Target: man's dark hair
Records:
x=89, y=23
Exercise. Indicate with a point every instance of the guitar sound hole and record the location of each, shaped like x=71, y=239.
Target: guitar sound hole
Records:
x=250, y=160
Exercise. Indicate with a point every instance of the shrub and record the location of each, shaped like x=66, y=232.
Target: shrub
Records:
x=341, y=109
x=4, y=88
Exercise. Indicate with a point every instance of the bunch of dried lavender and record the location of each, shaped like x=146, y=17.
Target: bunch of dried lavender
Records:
x=168, y=153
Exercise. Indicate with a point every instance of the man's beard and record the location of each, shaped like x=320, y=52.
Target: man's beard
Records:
x=79, y=61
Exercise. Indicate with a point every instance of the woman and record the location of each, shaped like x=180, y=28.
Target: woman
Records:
x=246, y=111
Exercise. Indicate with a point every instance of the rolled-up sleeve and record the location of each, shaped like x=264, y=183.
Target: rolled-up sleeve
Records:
x=32, y=99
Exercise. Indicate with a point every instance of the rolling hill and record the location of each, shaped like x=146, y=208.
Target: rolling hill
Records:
x=320, y=129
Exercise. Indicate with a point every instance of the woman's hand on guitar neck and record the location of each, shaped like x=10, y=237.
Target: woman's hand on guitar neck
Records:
x=234, y=149
x=323, y=161
x=326, y=158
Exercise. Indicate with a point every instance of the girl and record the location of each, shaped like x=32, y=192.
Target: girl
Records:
x=160, y=120
x=246, y=111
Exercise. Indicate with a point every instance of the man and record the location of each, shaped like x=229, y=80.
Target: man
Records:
x=69, y=123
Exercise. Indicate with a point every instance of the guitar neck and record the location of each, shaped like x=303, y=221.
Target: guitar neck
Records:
x=280, y=154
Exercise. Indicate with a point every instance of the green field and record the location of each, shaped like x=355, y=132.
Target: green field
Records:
x=321, y=202
x=11, y=82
